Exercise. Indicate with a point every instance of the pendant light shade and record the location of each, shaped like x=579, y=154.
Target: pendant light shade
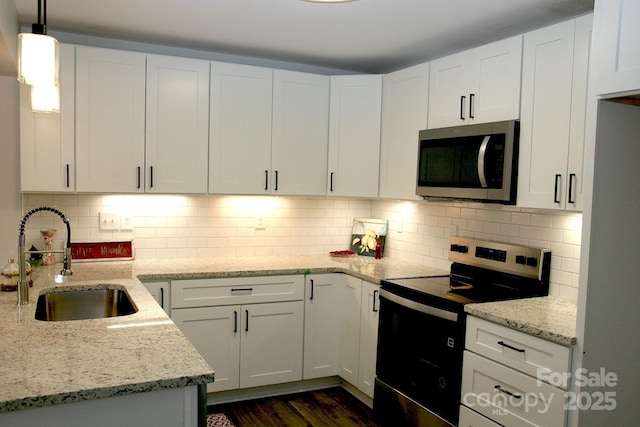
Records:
x=45, y=98
x=38, y=53
x=38, y=59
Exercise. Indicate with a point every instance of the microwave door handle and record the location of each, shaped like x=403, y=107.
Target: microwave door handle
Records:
x=482, y=152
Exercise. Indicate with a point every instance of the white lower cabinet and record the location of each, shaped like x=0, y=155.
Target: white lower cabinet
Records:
x=359, y=333
x=161, y=292
x=322, y=309
x=505, y=377
x=248, y=340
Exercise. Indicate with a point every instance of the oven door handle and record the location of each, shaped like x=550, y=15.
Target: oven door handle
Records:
x=426, y=309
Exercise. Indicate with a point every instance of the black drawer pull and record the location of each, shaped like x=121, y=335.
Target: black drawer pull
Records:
x=504, y=344
x=500, y=389
x=311, y=296
x=241, y=289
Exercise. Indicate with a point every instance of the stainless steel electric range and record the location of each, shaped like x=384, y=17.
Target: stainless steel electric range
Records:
x=422, y=326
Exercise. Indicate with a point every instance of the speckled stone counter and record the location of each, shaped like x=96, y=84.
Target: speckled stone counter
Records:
x=48, y=363
x=550, y=318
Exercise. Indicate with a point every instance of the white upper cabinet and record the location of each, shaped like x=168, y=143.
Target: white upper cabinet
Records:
x=554, y=77
x=110, y=120
x=354, y=135
x=240, y=146
x=476, y=86
x=300, y=134
x=616, y=57
x=269, y=131
x=47, y=141
x=405, y=103
x=177, y=130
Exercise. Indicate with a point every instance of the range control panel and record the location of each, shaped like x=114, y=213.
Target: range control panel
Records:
x=520, y=260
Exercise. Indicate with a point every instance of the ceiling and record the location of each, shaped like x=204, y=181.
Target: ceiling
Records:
x=372, y=36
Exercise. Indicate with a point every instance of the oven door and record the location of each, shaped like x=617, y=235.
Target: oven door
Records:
x=420, y=358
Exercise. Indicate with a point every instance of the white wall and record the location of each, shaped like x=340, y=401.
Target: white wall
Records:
x=216, y=226
x=11, y=201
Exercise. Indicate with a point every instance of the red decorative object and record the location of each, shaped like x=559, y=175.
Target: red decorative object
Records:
x=95, y=251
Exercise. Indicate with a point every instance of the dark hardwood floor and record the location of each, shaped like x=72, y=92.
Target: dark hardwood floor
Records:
x=322, y=408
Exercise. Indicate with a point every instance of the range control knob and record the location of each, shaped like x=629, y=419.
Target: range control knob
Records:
x=521, y=259
x=532, y=261
x=459, y=248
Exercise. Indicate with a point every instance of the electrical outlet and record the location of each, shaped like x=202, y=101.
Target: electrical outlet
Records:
x=126, y=223
x=260, y=223
x=109, y=221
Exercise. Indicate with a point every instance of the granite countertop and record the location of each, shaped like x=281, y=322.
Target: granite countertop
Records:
x=550, y=318
x=48, y=363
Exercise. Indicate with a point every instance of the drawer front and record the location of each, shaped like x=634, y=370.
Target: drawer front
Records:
x=469, y=418
x=534, y=356
x=236, y=290
x=509, y=397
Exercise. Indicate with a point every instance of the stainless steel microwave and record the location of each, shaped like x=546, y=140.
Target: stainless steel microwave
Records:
x=472, y=162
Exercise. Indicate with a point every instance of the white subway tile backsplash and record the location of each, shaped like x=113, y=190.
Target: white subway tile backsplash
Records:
x=225, y=226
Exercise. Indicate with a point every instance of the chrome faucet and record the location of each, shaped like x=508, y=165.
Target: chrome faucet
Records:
x=23, y=284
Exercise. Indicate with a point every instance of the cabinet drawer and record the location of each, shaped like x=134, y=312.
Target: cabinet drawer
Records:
x=236, y=290
x=469, y=418
x=509, y=397
x=526, y=353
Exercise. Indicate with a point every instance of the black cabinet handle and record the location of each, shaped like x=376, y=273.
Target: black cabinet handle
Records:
x=331, y=182
x=462, y=99
x=266, y=180
x=572, y=176
x=276, y=187
x=138, y=177
x=311, y=296
x=150, y=176
x=246, y=323
x=504, y=344
x=556, y=189
x=68, y=181
x=471, y=112
x=241, y=289
x=500, y=389
x=162, y=297
x=235, y=321
x=375, y=295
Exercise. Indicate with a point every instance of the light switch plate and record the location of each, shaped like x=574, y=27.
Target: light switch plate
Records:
x=109, y=221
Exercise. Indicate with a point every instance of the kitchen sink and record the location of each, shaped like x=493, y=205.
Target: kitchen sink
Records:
x=84, y=304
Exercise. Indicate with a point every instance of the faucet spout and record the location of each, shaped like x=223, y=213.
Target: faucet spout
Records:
x=23, y=285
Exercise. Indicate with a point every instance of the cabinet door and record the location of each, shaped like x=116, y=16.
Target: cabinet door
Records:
x=368, y=337
x=215, y=333
x=322, y=310
x=449, y=89
x=160, y=291
x=240, y=146
x=47, y=140
x=271, y=343
x=177, y=131
x=546, y=111
x=497, y=73
x=405, y=102
x=354, y=135
x=110, y=120
x=616, y=57
x=350, y=330
x=300, y=133
x=574, y=189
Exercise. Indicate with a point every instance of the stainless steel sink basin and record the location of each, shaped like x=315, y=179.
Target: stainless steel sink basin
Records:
x=84, y=304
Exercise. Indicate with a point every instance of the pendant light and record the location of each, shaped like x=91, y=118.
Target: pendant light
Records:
x=38, y=53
